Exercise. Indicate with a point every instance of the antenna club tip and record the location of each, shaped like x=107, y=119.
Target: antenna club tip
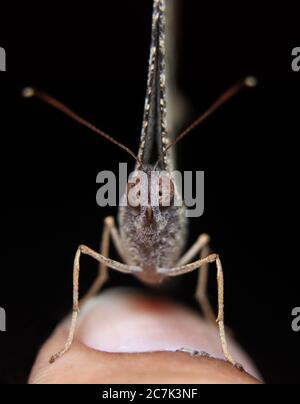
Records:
x=28, y=92
x=251, y=81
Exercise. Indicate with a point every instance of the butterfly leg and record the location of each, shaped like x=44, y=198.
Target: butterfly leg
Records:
x=109, y=231
x=118, y=266
x=180, y=270
x=201, y=246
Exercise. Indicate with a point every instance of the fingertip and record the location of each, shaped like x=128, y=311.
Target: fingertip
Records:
x=125, y=329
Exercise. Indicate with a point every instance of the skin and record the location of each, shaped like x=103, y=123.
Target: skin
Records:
x=138, y=337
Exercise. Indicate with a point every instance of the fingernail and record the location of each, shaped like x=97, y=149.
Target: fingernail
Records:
x=124, y=320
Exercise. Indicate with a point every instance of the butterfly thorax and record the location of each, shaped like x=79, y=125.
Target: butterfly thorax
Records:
x=153, y=235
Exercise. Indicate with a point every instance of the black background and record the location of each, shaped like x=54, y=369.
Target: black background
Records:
x=95, y=60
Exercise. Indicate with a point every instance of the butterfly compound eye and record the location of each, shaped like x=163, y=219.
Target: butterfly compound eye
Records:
x=166, y=191
x=134, y=193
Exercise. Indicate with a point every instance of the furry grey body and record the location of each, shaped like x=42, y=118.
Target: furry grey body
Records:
x=153, y=244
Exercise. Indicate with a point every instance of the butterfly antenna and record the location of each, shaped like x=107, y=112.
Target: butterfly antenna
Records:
x=29, y=92
x=232, y=91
